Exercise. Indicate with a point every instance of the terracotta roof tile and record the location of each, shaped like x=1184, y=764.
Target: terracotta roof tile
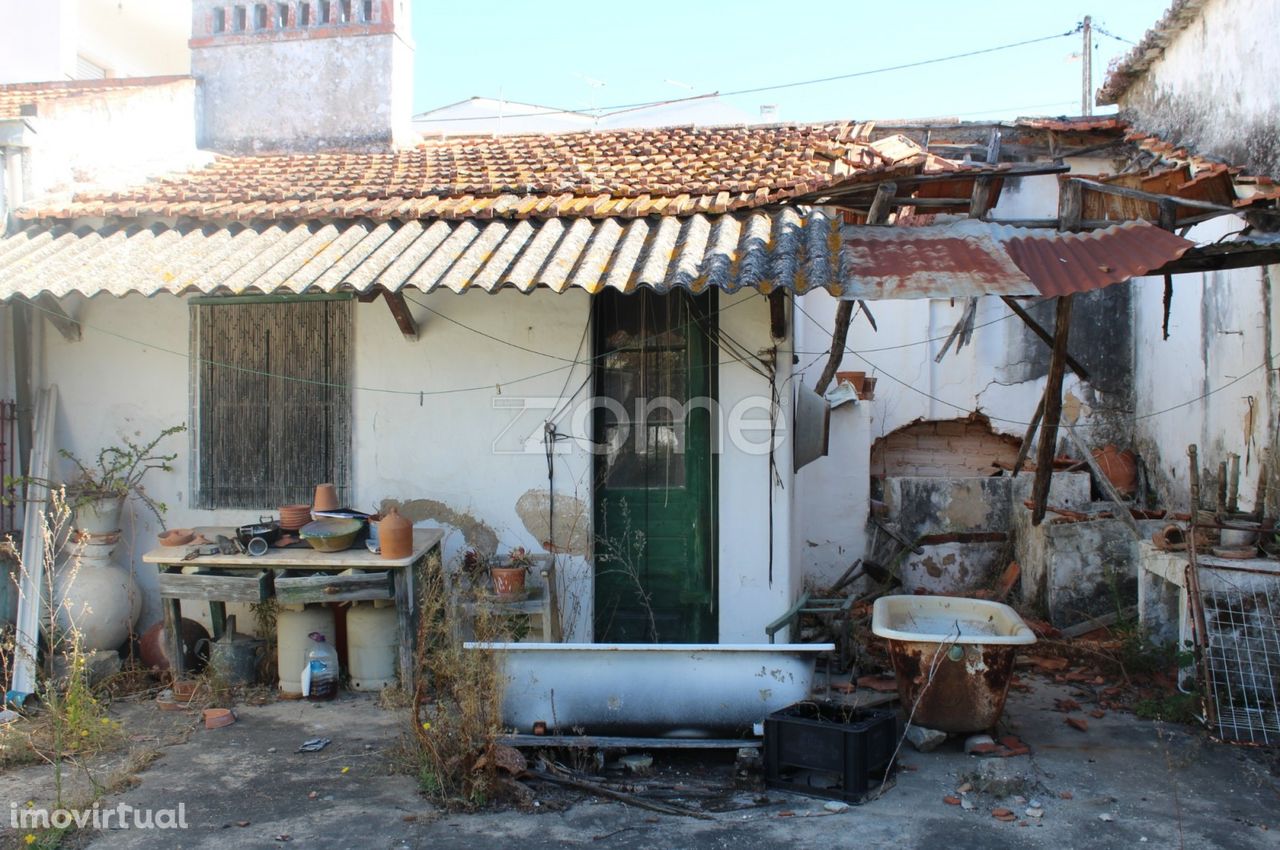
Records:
x=14, y=97
x=627, y=173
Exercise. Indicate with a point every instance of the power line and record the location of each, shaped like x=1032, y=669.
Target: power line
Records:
x=1265, y=364
x=758, y=89
x=1101, y=31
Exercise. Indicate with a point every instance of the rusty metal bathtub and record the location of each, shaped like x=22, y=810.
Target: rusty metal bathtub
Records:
x=953, y=657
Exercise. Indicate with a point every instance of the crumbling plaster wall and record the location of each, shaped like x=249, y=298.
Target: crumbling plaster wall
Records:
x=1220, y=324
x=1001, y=372
x=471, y=462
x=1214, y=88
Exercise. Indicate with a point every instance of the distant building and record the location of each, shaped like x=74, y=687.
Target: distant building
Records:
x=486, y=116
x=93, y=39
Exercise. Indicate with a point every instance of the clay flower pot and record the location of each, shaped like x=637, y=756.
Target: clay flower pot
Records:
x=508, y=582
x=1121, y=467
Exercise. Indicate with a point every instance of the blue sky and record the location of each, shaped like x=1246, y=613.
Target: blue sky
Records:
x=549, y=52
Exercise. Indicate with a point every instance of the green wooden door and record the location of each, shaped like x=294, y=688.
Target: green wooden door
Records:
x=654, y=476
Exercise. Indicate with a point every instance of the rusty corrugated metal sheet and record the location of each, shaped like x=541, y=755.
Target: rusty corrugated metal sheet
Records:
x=979, y=258
x=787, y=248
x=1078, y=262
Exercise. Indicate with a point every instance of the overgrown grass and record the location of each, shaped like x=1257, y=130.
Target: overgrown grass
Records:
x=1171, y=707
x=456, y=714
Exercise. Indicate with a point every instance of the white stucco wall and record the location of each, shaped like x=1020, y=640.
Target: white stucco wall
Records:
x=1217, y=344
x=1214, y=88
x=130, y=375
x=43, y=46
x=136, y=133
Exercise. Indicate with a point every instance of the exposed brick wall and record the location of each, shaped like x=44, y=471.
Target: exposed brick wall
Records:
x=956, y=448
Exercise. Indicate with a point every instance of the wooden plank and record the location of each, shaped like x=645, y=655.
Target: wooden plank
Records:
x=203, y=587
x=1039, y=331
x=1104, y=483
x=347, y=586
x=1156, y=198
x=605, y=742
x=839, y=335
x=31, y=582
x=878, y=214
x=401, y=313
x=65, y=325
x=309, y=559
x=880, y=204
x=1028, y=437
x=1052, y=411
x=778, y=314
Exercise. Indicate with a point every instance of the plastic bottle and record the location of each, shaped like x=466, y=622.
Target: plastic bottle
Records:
x=320, y=676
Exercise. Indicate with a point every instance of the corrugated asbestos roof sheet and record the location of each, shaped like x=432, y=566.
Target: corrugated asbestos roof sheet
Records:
x=600, y=174
x=795, y=249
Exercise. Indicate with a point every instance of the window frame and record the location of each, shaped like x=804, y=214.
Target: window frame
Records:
x=344, y=446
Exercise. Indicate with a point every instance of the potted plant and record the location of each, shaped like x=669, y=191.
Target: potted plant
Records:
x=99, y=488
x=508, y=579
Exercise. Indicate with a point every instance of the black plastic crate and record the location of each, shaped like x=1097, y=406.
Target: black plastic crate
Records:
x=844, y=750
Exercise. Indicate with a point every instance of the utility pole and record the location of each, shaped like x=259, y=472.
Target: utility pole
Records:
x=1086, y=84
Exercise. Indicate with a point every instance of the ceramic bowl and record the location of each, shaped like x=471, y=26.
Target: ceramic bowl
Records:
x=331, y=535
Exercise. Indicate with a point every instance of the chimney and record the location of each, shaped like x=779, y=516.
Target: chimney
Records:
x=303, y=75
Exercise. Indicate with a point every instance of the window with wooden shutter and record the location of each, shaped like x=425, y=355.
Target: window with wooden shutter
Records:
x=271, y=401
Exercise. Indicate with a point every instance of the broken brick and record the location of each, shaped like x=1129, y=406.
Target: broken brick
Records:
x=878, y=683
x=951, y=801
x=1066, y=705
x=1099, y=714
x=1078, y=723
x=1065, y=795
x=1003, y=815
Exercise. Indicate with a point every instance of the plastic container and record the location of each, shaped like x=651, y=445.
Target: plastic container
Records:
x=373, y=643
x=953, y=656
x=293, y=625
x=320, y=675
x=828, y=750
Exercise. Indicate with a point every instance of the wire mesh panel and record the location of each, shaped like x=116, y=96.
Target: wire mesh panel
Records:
x=272, y=406
x=1242, y=655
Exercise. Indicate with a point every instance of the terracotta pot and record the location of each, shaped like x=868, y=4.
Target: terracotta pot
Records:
x=326, y=498
x=858, y=379
x=395, y=536
x=508, y=582
x=216, y=718
x=1120, y=467
x=155, y=655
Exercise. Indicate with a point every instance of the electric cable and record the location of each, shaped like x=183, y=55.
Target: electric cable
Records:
x=759, y=89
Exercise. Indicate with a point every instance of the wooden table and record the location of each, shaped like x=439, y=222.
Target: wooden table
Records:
x=354, y=574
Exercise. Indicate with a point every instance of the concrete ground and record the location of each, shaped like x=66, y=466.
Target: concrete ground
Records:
x=1125, y=782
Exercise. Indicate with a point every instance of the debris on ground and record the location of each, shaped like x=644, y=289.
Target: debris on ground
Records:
x=925, y=740
x=314, y=745
x=1001, y=777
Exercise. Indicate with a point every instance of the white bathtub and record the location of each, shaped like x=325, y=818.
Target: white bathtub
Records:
x=653, y=689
